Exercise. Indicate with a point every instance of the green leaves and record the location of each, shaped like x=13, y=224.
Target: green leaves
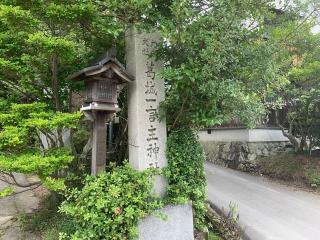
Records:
x=214, y=64
x=110, y=205
x=51, y=44
x=56, y=185
x=52, y=121
x=22, y=124
x=6, y=192
x=42, y=43
x=14, y=14
x=302, y=69
x=12, y=137
x=36, y=163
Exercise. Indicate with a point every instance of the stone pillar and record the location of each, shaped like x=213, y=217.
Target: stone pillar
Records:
x=99, y=144
x=147, y=134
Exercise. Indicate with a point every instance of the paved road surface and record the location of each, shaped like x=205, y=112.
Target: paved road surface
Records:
x=267, y=210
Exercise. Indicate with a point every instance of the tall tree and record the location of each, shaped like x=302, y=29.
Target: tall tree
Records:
x=298, y=57
x=218, y=62
x=42, y=42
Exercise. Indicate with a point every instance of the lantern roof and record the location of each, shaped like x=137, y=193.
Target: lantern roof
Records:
x=106, y=68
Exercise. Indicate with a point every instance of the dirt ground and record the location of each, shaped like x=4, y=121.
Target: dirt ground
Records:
x=294, y=170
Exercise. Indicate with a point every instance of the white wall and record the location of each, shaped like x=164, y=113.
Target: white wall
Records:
x=245, y=135
x=224, y=135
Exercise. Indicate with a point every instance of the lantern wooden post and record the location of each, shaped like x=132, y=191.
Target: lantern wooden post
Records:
x=99, y=144
x=103, y=82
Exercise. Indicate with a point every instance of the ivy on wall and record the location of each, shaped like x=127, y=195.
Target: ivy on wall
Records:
x=185, y=172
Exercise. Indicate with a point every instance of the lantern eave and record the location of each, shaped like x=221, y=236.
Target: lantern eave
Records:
x=107, y=63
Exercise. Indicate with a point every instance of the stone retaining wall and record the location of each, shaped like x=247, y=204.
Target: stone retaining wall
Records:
x=242, y=155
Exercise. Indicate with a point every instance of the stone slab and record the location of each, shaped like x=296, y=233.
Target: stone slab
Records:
x=3, y=184
x=26, y=202
x=21, y=179
x=5, y=221
x=8, y=206
x=177, y=226
x=12, y=233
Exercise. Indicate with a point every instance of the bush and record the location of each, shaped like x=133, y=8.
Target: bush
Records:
x=110, y=205
x=315, y=181
x=185, y=172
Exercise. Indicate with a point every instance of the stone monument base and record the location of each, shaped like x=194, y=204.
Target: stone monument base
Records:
x=177, y=226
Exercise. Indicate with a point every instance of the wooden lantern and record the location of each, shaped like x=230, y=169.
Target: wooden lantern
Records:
x=103, y=82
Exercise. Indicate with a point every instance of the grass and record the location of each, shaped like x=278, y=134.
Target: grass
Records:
x=46, y=221
x=213, y=236
x=292, y=168
x=221, y=227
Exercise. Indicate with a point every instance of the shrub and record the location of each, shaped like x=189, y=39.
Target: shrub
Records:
x=185, y=172
x=110, y=204
x=315, y=181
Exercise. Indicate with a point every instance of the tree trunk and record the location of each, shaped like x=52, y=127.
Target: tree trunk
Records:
x=55, y=81
x=73, y=148
x=55, y=92
x=88, y=147
x=303, y=143
x=288, y=134
x=310, y=146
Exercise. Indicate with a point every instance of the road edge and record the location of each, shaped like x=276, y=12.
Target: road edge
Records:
x=224, y=213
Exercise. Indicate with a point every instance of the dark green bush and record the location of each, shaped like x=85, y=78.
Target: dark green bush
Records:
x=110, y=205
x=185, y=172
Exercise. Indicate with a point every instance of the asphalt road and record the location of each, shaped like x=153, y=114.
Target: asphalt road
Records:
x=267, y=210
